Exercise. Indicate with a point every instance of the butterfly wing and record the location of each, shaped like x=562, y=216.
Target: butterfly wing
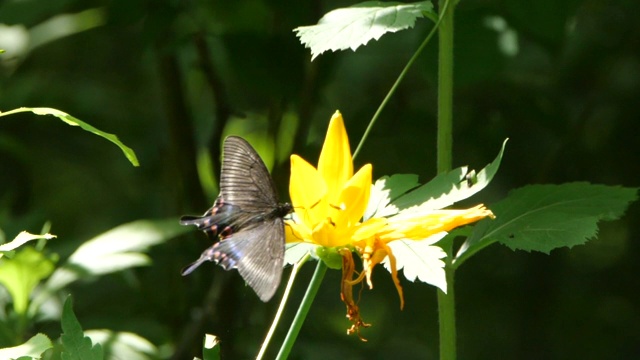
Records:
x=221, y=219
x=257, y=252
x=245, y=181
x=248, y=208
x=258, y=255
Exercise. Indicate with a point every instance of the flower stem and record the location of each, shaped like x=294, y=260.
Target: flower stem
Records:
x=446, y=301
x=445, y=87
x=283, y=303
x=303, y=310
x=395, y=85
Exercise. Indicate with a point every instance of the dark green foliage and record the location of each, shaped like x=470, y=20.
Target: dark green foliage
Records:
x=171, y=78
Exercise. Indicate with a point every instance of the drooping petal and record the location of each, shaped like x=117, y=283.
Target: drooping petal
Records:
x=346, y=294
x=335, y=164
x=373, y=253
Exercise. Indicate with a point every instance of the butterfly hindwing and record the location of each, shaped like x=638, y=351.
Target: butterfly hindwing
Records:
x=257, y=253
x=220, y=219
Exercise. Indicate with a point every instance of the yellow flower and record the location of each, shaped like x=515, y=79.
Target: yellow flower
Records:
x=329, y=203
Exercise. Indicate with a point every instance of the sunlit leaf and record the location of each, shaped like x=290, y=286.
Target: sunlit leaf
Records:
x=117, y=249
x=32, y=348
x=22, y=239
x=420, y=260
x=22, y=273
x=444, y=190
x=349, y=28
x=447, y=189
x=546, y=217
x=76, y=346
x=128, y=152
x=124, y=345
x=385, y=190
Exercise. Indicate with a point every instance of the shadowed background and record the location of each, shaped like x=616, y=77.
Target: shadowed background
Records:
x=560, y=78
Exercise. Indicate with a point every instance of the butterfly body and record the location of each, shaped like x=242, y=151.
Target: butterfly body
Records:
x=247, y=218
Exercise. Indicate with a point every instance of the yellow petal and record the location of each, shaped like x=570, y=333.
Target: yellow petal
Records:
x=294, y=232
x=353, y=199
x=335, y=164
x=423, y=226
x=324, y=234
x=368, y=229
x=307, y=190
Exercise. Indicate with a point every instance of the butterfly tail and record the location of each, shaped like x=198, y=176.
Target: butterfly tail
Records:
x=207, y=255
x=217, y=220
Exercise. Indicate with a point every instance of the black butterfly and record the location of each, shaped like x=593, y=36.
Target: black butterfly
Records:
x=247, y=218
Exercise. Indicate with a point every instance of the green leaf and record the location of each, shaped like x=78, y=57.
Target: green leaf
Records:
x=20, y=240
x=32, y=348
x=21, y=274
x=546, y=217
x=351, y=27
x=76, y=346
x=420, y=260
x=120, y=248
x=442, y=191
x=128, y=152
x=211, y=347
x=385, y=190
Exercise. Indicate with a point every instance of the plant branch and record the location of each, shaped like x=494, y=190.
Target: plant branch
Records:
x=303, y=310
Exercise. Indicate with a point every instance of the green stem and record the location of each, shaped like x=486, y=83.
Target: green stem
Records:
x=303, y=310
x=446, y=307
x=403, y=73
x=445, y=88
x=447, y=317
x=446, y=301
x=283, y=303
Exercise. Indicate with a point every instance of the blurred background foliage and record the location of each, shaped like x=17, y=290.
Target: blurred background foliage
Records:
x=560, y=78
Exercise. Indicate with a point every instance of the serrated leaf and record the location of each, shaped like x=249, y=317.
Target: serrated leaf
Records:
x=76, y=346
x=420, y=260
x=32, y=348
x=128, y=152
x=446, y=189
x=22, y=273
x=385, y=190
x=211, y=347
x=349, y=28
x=546, y=217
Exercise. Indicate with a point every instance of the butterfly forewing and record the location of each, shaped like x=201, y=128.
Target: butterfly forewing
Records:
x=245, y=180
